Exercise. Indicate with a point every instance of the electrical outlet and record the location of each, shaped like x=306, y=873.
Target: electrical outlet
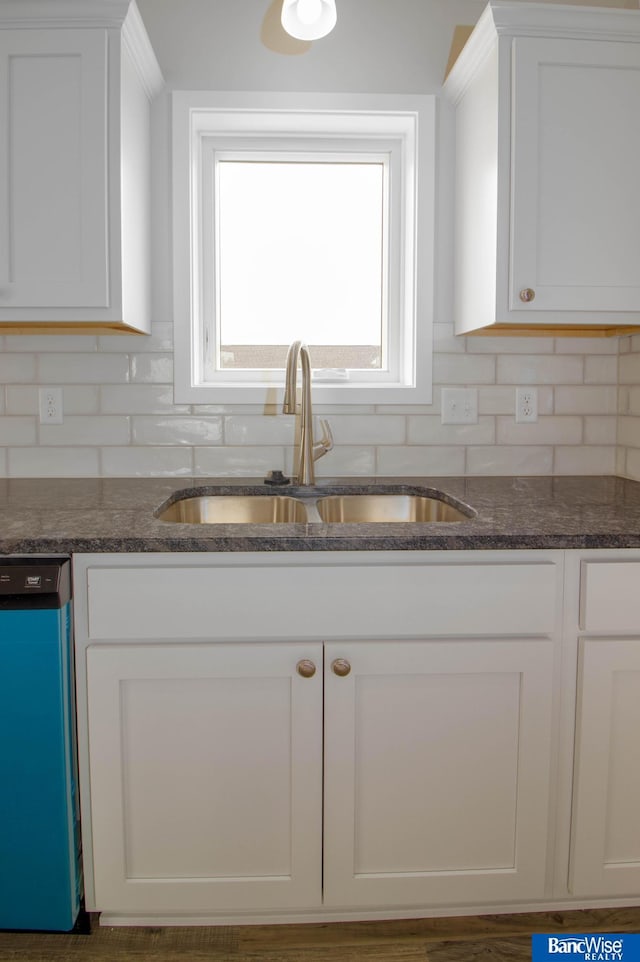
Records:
x=459, y=405
x=50, y=402
x=526, y=404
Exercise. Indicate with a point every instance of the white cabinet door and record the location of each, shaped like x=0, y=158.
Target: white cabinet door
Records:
x=53, y=169
x=205, y=777
x=575, y=185
x=605, y=859
x=437, y=765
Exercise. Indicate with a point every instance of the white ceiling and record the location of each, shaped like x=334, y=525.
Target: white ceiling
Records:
x=394, y=46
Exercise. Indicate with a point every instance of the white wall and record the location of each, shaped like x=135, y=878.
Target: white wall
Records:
x=120, y=419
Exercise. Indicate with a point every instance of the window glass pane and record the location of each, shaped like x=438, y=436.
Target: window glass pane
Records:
x=301, y=255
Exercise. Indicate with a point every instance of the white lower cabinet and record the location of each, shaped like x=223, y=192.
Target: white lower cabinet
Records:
x=437, y=759
x=206, y=773
x=606, y=821
x=262, y=735
x=206, y=776
x=605, y=851
x=358, y=735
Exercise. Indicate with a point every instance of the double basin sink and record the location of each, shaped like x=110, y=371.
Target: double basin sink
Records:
x=386, y=503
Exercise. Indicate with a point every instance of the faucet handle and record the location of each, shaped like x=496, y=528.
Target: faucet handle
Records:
x=327, y=436
x=326, y=441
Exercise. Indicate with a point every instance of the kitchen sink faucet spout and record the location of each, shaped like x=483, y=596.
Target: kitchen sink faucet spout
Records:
x=308, y=451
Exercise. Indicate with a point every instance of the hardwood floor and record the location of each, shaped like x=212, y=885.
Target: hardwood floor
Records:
x=486, y=938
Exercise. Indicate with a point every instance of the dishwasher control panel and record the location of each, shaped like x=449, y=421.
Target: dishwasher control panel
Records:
x=47, y=580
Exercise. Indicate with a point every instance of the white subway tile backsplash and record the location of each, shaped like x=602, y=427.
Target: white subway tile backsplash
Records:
x=175, y=430
x=140, y=399
x=547, y=430
x=588, y=459
x=343, y=460
x=629, y=432
x=141, y=462
x=485, y=344
x=59, y=368
x=152, y=368
x=238, y=462
x=430, y=430
x=69, y=344
x=632, y=465
x=624, y=401
x=77, y=399
x=586, y=345
x=21, y=399
x=539, y=369
x=256, y=429
x=332, y=410
x=120, y=418
x=629, y=401
x=433, y=461
x=501, y=399
x=88, y=430
x=601, y=370
x=495, y=399
x=629, y=369
x=365, y=429
x=600, y=429
x=464, y=369
x=396, y=409
x=519, y=460
x=17, y=430
x=41, y=462
x=582, y=399
x=17, y=369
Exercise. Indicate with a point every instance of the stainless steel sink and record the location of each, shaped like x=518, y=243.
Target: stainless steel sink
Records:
x=312, y=506
x=235, y=509
x=366, y=508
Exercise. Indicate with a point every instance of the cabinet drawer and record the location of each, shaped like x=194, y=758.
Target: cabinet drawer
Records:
x=321, y=601
x=610, y=596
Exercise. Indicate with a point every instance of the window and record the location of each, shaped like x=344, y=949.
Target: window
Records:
x=308, y=219
x=314, y=232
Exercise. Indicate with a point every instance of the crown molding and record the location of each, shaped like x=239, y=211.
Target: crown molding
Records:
x=62, y=13
x=505, y=18
x=136, y=40
x=472, y=56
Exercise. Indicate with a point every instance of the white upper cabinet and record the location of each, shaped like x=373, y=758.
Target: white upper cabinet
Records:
x=547, y=155
x=78, y=79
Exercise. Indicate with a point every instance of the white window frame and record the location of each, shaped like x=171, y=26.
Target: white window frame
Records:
x=401, y=128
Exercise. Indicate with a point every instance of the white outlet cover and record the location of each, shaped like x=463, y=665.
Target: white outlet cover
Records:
x=526, y=405
x=459, y=405
x=50, y=405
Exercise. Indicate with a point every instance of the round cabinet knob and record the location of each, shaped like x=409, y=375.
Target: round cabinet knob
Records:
x=340, y=667
x=527, y=295
x=306, y=668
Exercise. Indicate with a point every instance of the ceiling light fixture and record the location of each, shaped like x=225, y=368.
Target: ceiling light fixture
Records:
x=309, y=19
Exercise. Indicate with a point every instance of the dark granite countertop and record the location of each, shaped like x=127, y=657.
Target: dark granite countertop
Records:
x=63, y=516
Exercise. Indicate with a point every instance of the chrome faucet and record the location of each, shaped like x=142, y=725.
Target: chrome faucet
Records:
x=308, y=451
